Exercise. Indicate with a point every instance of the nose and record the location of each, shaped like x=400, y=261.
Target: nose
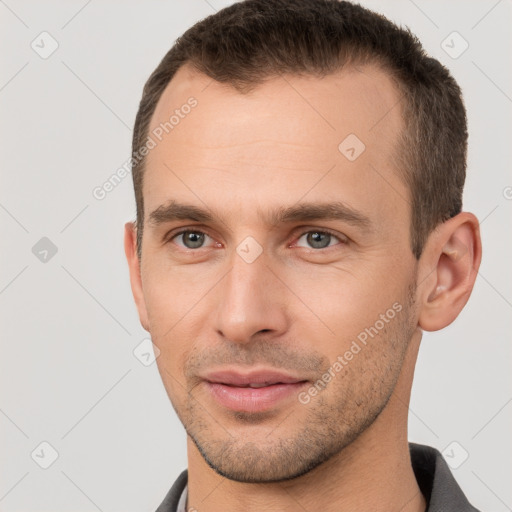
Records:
x=251, y=301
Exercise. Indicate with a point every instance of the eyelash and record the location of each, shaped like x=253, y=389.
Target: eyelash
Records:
x=322, y=231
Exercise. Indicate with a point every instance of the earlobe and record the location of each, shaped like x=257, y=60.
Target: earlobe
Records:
x=452, y=261
x=130, y=249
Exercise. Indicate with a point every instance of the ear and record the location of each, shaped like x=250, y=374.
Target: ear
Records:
x=130, y=249
x=449, y=266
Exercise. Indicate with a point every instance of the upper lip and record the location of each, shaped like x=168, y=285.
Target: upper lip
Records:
x=241, y=379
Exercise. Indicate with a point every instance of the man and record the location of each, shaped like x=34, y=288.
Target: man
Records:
x=298, y=170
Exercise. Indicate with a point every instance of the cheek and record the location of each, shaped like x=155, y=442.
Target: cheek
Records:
x=367, y=360
x=171, y=303
x=172, y=293
x=174, y=353
x=343, y=304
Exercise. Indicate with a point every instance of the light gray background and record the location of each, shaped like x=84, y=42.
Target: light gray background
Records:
x=69, y=326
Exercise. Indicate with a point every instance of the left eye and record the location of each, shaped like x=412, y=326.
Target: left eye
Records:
x=319, y=239
x=191, y=239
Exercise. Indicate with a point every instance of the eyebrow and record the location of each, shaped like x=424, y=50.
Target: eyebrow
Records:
x=337, y=210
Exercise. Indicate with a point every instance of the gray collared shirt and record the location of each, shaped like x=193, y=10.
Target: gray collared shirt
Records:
x=183, y=501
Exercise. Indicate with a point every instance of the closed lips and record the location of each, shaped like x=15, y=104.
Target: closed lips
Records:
x=253, y=380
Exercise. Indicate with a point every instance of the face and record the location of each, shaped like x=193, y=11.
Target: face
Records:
x=276, y=273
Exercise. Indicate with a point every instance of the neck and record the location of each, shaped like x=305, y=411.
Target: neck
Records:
x=373, y=472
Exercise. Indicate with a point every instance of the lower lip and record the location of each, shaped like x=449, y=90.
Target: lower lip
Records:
x=253, y=399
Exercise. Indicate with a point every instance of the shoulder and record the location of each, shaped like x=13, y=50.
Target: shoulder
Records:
x=438, y=485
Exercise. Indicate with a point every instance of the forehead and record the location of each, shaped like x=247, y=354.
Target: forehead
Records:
x=276, y=141
x=357, y=98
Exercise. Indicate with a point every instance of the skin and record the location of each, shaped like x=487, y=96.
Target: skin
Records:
x=298, y=306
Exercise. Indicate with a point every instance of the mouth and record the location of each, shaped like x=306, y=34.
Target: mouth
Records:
x=255, y=391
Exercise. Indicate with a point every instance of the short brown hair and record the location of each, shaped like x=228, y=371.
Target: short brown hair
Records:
x=250, y=41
